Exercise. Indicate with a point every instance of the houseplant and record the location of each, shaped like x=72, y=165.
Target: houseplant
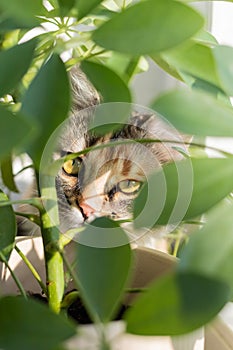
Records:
x=112, y=50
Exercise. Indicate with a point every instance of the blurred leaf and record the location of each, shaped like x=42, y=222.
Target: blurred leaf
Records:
x=176, y=304
x=210, y=250
x=107, y=82
x=15, y=131
x=140, y=29
x=205, y=87
x=7, y=174
x=121, y=64
x=166, y=66
x=24, y=11
x=224, y=56
x=18, y=317
x=109, y=117
x=65, y=6
x=7, y=228
x=84, y=7
x=47, y=102
x=14, y=63
x=194, y=59
x=183, y=190
x=205, y=37
x=195, y=113
x=103, y=261
x=8, y=24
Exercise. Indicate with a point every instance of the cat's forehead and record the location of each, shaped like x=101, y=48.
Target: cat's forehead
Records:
x=131, y=161
x=76, y=137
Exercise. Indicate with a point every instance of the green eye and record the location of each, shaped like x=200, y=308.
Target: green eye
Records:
x=72, y=166
x=129, y=186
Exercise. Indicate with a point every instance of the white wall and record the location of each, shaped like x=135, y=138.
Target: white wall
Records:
x=222, y=22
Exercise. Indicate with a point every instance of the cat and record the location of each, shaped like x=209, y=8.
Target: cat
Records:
x=105, y=181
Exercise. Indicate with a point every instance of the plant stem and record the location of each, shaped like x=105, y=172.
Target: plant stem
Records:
x=15, y=278
x=32, y=217
x=70, y=270
x=32, y=269
x=53, y=263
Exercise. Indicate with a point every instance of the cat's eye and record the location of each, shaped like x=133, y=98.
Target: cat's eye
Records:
x=72, y=166
x=129, y=186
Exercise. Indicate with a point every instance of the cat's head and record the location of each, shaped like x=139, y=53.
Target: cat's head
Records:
x=106, y=180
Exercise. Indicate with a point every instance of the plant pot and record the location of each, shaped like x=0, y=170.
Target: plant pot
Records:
x=149, y=265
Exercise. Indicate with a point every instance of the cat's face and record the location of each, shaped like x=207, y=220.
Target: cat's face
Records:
x=104, y=182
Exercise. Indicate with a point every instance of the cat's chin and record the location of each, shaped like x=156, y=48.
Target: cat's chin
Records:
x=71, y=219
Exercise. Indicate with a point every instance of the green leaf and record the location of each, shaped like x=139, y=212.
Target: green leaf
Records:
x=33, y=325
x=205, y=87
x=140, y=29
x=7, y=228
x=15, y=131
x=7, y=174
x=47, y=102
x=123, y=64
x=205, y=37
x=223, y=56
x=65, y=6
x=161, y=62
x=210, y=250
x=8, y=24
x=176, y=304
x=195, y=113
x=183, y=190
x=194, y=59
x=84, y=7
x=107, y=82
x=24, y=11
x=14, y=63
x=103, y=263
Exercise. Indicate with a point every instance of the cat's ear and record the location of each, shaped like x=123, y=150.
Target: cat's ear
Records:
x=172, y=145
x=84, y=94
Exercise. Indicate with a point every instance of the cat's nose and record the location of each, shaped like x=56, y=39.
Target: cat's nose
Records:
x=87, y=209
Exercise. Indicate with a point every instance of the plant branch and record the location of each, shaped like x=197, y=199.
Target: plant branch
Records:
x=32, y=269
x=32, y=217
x=15, y=278
x=53, y=262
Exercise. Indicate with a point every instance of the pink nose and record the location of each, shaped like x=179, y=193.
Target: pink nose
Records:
x=87, y=209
